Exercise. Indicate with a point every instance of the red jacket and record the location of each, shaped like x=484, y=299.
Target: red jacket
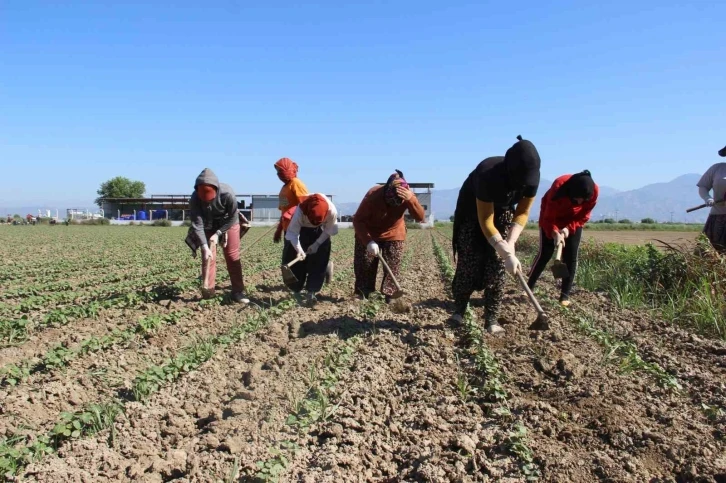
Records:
x=561, y=213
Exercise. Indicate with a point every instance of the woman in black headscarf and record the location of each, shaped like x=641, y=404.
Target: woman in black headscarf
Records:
x=565, y=209
x=486, y=227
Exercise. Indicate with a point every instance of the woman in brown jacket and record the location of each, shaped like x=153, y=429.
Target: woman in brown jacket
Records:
x=380, y=230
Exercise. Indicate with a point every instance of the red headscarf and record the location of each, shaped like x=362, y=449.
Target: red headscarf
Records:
x=206, y=192
x=286, y=169
x=315, y=207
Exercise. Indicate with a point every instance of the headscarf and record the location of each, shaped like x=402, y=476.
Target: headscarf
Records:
x=722, y=152
x=315, y=208
x=389, y=190
x=579, y=185
x=286, y=169
x=206, y=192
x=522, y=162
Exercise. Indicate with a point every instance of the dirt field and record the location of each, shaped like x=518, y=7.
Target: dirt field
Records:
x=349, y=390
x=634, y=237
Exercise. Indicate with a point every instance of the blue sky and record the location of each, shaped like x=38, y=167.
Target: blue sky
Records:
x=156, y=91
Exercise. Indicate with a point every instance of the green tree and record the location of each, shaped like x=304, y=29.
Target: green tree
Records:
x=120, y=187
x=648, y=221
x=625, y=221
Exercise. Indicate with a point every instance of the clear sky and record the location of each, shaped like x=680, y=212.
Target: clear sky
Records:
x=156, y=91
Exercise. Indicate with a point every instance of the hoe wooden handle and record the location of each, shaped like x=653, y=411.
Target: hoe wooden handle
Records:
x=388, y=269
x=558, y=255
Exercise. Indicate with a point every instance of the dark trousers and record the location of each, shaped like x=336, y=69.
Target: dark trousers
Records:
x=310, y=272
x=569, y=257
x=478, y=267
x=365, y=267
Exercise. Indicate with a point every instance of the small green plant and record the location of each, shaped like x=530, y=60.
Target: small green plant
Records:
x=94, y=419
x=516, y=443
x=59, y=356
x=370, y=307
x=271, y=469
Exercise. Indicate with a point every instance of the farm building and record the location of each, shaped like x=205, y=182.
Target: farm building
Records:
x=254, y=207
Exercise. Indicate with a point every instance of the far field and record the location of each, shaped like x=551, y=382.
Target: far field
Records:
x=633, y=237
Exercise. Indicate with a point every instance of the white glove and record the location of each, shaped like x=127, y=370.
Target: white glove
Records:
x=313, y=249
x=709, y=202
x=565, y=232
x=373, y=249
x=505, y=252
x=206, y=253
x=214, y=239
x=300, y=252
x=558, y=237
x=514, y=231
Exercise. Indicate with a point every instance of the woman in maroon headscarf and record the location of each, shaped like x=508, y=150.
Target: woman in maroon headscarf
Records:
x=380, y=230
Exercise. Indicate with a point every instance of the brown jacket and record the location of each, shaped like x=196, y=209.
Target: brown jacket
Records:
x=375, y=220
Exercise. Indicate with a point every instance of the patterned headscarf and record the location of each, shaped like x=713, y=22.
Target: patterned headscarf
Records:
x=286, y=169
x=315, y=207
x=389, y=190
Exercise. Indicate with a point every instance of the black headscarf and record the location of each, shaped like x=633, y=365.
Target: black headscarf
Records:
x=579, y=185
x=522, y=162
x=722, y=152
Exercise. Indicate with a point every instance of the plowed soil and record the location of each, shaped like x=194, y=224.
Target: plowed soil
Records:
x=397, y=408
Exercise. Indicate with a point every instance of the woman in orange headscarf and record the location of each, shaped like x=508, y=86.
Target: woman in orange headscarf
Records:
x=292, y=190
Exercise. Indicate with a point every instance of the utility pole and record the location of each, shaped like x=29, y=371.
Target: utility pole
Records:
x=616, y=216
x=671, y=217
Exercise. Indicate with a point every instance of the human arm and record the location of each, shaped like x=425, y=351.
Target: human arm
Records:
x=415, y=209
x=230, y=211
x=293, y=231
x=195, y=208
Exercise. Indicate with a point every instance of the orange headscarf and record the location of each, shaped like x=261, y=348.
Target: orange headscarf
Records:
x=315, y=207
x=286, y=169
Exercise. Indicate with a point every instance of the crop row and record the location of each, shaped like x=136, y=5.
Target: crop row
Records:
x=488, y=381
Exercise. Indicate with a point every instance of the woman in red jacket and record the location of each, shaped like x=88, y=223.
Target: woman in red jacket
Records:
x=565, y=209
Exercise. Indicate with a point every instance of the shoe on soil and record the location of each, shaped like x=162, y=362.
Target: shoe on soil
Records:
x=208, y=293
x=311, y=299
x=239, y=297
x=495, y=328
x=565, y=301
x=456, y=320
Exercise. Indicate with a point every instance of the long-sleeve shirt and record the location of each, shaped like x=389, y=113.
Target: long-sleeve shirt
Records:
x=220, y=215
x=300, y=221
x=377, y=221
x=714, y=179
x=290, y=195
x=562, y=213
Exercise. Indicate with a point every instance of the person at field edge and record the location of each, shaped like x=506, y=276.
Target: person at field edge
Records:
x=215, y=220
x=290, y=193
x=312, y=224
x=712, y=189
x=380, y=231
x=486, y=227
x=565, y=209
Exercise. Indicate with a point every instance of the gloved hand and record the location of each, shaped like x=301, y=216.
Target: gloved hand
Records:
x=373, y=249
x=300, y=252
x=710, y=202
x=558, y=237
x=511, y=263
x=206, y=253
x=313, y=249
x=514, y=231
x=278, y=234
x=214, y=239
x=565, y=232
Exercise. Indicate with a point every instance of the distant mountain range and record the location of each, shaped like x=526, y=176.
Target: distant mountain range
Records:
x=658, y=201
